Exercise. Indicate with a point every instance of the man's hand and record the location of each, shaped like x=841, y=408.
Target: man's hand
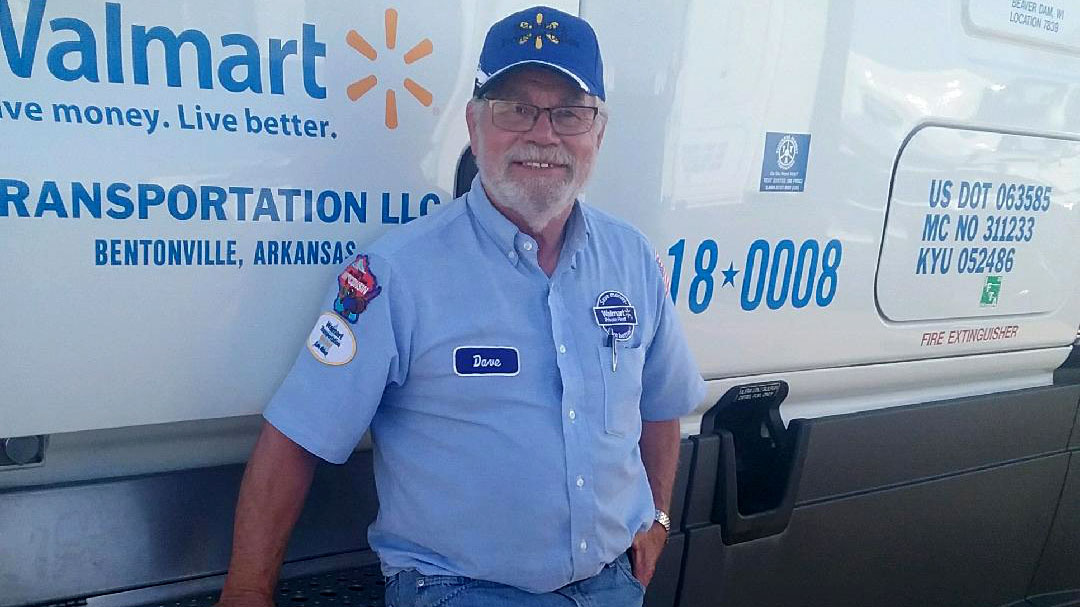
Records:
x=244, y=599
x=645, y=552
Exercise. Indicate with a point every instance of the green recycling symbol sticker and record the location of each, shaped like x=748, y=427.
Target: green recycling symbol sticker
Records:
x=990, y=291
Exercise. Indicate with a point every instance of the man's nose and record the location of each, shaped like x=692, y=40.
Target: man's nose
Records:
x=543, y=133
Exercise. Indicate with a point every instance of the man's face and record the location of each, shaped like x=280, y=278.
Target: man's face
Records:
x=539, y=173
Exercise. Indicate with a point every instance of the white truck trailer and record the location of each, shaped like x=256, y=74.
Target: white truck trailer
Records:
x=869, y=212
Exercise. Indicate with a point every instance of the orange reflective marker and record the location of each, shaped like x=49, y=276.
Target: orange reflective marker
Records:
x=391, y=28
x=421, y=50
x=357, y=89
x=422, y=94
x=357, y=41
x=391, y=109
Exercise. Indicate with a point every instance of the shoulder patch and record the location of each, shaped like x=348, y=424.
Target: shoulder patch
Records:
x=331, y=342
x=357, y=286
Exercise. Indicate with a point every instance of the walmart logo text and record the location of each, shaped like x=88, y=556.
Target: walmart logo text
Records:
x=80, y=57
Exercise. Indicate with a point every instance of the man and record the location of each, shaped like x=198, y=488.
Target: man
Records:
x=517, y=360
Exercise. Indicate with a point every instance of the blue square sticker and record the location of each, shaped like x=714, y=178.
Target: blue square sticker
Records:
x=783, y=168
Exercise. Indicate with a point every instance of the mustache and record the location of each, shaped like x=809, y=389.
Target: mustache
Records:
x=538, y=154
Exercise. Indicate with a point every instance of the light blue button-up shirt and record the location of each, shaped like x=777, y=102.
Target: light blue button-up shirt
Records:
x=524, y=469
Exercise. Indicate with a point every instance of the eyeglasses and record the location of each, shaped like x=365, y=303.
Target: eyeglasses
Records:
x=521, y=117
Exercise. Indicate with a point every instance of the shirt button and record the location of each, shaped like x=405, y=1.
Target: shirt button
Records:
x=528, y=246
x=580, y=482
x=562, y=349
x=583, y=545
x=573, y=415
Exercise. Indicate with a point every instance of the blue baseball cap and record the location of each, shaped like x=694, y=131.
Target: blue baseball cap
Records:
x=546, y=37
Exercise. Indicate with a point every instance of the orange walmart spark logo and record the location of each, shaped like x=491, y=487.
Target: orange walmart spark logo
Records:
x=529, y=32
x=358, y=89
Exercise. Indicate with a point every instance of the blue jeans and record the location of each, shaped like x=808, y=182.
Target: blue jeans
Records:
x=614, y=586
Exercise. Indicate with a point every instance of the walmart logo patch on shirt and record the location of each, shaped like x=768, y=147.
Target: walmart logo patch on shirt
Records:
x=485, y=360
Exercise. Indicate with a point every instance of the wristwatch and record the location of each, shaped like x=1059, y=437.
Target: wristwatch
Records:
x=662, y=517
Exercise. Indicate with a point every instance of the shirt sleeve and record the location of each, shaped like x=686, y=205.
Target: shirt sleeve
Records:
x=358, y=347
x=671, y=385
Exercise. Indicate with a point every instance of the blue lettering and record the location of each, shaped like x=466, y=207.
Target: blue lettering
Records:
x=212, y=197
x=170, y=44
x=72, y=113
x=940, y=193
x=115, y=195
x=278, y=53
x=101, y=252
x=50, y=200
x=355, y=208
x=114, y=57
x=934, y=260
x=320, y=206
x=312, y=49
x=430, y=198
x=150, y=195
x=249, y=60
x=21, y=53
x=405, y=217
x=21, y=60
x=184, y=124
x=81, y=197
x=265, y=206
x=241, y=201
x=935, y=227
x=174, y=202
x=967, y=226
x=387, y=217
x=85, y=46
x=13, y=192
x=290, y=196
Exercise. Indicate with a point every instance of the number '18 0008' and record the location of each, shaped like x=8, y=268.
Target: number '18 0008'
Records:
x=777, y=275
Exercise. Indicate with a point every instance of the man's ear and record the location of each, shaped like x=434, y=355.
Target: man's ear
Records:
x=470, y=121
x=600, y=133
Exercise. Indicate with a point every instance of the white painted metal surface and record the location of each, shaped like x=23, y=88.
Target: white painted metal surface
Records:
x=695, y=89
x=92, y=336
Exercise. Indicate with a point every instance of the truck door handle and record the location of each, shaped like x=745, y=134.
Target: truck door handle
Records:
x=759, y=461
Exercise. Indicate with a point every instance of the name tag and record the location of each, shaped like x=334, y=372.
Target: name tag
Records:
x=485, y=360
x=607, y=316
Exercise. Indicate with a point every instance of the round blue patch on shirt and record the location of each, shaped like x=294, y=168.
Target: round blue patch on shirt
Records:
x=615, y=315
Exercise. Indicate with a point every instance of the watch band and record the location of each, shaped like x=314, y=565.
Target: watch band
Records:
x=662, y=517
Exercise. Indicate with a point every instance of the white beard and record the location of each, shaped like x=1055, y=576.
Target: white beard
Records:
x=536, y=209
x=537, y=201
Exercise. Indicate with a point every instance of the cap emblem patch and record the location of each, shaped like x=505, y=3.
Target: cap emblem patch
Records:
x=539, y=32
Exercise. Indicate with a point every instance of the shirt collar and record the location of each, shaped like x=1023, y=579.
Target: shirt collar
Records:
x=498, y=227
x=506, y=234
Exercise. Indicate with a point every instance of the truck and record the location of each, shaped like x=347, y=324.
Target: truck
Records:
x=868, y=212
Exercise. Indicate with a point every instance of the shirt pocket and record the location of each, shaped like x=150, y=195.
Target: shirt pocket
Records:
x=622, y=389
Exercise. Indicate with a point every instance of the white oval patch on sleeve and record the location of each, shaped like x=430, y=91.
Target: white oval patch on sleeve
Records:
x=331, y=341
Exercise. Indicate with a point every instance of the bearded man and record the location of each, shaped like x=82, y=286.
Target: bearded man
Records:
x=518, y=362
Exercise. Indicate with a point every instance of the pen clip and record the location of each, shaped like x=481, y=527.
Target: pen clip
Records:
x=613, y=344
